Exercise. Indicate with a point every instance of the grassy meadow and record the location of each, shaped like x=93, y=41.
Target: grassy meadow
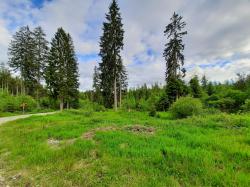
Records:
x=82, y=148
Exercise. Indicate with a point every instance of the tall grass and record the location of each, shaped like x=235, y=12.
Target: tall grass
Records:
x=211, y=150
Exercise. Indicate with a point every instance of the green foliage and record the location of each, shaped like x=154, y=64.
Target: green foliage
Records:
x=186, y=106
x=91, y=106
x=210, y=89
x=173, y=53
x=246, y=106
x=163, y=103
x=61, y=73
x=9, y=103
x=112, y=71
x=195, y=87
x=175, y=88
x=227, y=100
x=152, y=112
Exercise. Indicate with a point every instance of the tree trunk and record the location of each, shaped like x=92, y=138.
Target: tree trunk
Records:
x=120, y=104
x=61, y=105
x=17, y=92
x=67, y=105
x=115, y=95
x=23, y=106
x=37, y=98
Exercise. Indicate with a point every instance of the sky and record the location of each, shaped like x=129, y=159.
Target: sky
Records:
x=217, y=44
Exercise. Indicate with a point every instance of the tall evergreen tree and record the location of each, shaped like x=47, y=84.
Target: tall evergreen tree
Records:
x=62, y=69
x=111, y=45
x=72, y=74
x=204, y=82
x=210, y=89
x=173, y=55
x=97, y=86
x=41, y=54
x=195, y=87
x=21, y=58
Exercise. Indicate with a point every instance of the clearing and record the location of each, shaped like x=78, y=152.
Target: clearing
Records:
x=79, y=148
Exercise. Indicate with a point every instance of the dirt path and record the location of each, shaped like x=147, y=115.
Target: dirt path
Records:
x=13, y=118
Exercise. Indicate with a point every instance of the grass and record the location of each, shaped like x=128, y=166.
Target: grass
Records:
x=209, y=150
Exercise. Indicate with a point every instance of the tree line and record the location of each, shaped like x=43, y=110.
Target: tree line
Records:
x=56, y=65
x=36, y=62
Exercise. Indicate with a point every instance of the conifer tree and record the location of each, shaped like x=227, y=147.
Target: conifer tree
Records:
x=174, y=57
x=210, y=89
x=41, y=54
x=62, y=70
x=21, y=58
x=111, y=45
x=72, y=74
x=195, y=87
x=204, y=82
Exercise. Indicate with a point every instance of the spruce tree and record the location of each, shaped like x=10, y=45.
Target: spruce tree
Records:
x=210, y=89
x=21, y=58
x=41, y=54
x=62, y=70
x=173, y=54
x=72, y=74
x=195, y=87
x=111, y=45
x=204, y=82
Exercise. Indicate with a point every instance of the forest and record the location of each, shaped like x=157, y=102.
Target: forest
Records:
x=182, y=133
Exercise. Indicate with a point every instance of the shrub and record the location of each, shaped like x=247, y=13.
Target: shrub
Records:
x=246, y=106
x=30, y=103
x=152, y=112
x=185, y=107
x=163, y=103
x=224, y=104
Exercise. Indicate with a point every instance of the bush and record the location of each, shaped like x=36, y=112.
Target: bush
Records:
x=246, y=106
x=163, y=103
x=152, y=112
x=185, y=107
x=30, y=103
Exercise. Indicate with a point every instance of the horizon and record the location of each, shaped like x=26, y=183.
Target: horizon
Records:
x=214, y=45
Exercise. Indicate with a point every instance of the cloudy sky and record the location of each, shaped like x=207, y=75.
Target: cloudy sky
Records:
x=217, y=44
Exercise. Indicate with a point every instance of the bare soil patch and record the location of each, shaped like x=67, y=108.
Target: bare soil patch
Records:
x=53, y=143
x=140, y=129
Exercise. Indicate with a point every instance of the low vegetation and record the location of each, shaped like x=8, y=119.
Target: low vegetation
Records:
x=186, y=106
x=83, y=148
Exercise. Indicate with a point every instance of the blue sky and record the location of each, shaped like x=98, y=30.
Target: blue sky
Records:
x=217, y=44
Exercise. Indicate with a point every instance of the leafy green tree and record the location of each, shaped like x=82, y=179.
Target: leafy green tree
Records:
x=111, y=45
x=173, y=54
x=195, y=87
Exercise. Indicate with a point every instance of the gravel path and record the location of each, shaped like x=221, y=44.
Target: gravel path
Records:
x=13, y=118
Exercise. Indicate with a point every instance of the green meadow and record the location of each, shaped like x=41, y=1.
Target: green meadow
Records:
x=82, y=148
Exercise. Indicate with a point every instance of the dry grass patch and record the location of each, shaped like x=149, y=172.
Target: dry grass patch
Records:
x=138, y=129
